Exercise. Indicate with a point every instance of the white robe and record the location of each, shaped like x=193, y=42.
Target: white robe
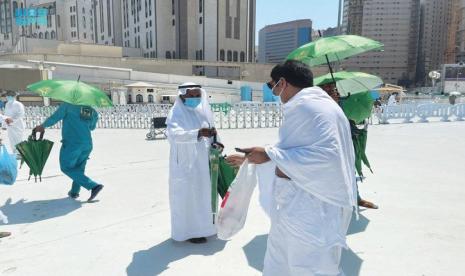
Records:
x=189, y=179
x=311, y=212
x=15, y=111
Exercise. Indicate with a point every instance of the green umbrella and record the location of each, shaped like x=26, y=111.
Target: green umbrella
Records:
x=214, y=157
x=359, y=139
x=335, y=48
x=226, y=176
x=73, y=92
x=349, y=83
x=358, y=107
x=35, y=154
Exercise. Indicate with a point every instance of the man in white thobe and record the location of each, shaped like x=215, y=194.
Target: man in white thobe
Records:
x=190, y=130
x=393, y=99
x=314, y=189
x=12, y=120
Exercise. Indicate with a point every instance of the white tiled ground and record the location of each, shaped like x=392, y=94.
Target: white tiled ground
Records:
x=419, y=229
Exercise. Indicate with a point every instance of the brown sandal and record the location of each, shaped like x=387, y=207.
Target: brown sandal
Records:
x=367, y=204
x=4, y=234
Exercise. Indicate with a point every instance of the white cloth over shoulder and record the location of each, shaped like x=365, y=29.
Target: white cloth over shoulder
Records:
x=189, y=177
x=310, y=213
x=15, y=111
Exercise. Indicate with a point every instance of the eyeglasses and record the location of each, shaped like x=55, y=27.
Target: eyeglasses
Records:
x=271, y=85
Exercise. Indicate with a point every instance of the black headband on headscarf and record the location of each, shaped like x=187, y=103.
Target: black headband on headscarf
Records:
x=189, y=86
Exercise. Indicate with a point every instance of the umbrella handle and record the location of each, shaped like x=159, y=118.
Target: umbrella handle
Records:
x=34, y=137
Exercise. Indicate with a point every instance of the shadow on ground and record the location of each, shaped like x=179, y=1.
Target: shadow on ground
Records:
x=155, y=260
x=23, y=211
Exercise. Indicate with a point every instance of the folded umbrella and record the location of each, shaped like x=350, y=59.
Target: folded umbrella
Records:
x=35, y=154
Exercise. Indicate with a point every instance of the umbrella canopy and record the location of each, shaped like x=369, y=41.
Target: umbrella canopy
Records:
x=455, y=93
x=226, y=176
x=35, y=153
x=73, y=92
x=358, y=107
x=349, y=83
x=335, y=48
x=359, y=138
x=214, y=157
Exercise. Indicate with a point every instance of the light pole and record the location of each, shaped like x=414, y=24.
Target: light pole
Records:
x=46, y=73
x=457, y=81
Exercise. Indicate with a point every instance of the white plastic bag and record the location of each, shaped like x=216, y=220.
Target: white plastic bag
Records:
x=233, y=211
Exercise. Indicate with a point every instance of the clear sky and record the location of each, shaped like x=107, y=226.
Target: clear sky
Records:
x=323, y=13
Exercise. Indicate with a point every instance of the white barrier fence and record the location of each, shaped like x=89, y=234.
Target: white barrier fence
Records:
x=256, y=115
x=424, y=112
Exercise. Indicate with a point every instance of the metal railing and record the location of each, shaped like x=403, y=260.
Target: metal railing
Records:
x=242, y=115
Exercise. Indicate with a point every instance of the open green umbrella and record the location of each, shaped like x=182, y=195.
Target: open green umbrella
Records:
x=358, y=107
x=334, y=48
x=73, y=92
x=35, y=154
x=349, y=83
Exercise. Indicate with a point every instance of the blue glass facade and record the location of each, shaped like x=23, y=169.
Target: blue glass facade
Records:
x=304, y=36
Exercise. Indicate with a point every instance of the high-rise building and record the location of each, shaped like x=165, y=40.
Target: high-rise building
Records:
x=452, y=31
x=276, y=41
x=395, y=24
x=460, y=39
x=209, y=30
x=202, y=30
x=437, y=30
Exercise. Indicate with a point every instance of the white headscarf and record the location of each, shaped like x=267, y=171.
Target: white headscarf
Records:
x=180, y=111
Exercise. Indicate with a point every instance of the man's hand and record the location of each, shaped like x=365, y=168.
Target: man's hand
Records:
x=39, y=129
x=235, y=160
x=207, y=132
x=8, y=121
x=256, y=155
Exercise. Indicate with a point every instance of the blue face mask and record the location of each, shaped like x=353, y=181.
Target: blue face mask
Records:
x=10, y=98
x=192, y=102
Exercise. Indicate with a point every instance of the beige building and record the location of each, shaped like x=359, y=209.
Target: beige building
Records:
x=460, y=39
x=395, y=24
x=436, y=29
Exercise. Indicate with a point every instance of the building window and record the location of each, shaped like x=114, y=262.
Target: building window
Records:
x=235, y=56
x=201, y=55
x=229, y=55
x=139, y=98
x=200, y=6
x=52, y=35
x=83, y=10
x=85, y=36
x=58, y=21
x=222, y=55
x=173, y=22
x=84, y=22
x=150, y=98
x=174, y=54
x=200, y=20
x=242, y=56
x=47, y=35
x=41, y=35
x=129, y=98
x=168, y=54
